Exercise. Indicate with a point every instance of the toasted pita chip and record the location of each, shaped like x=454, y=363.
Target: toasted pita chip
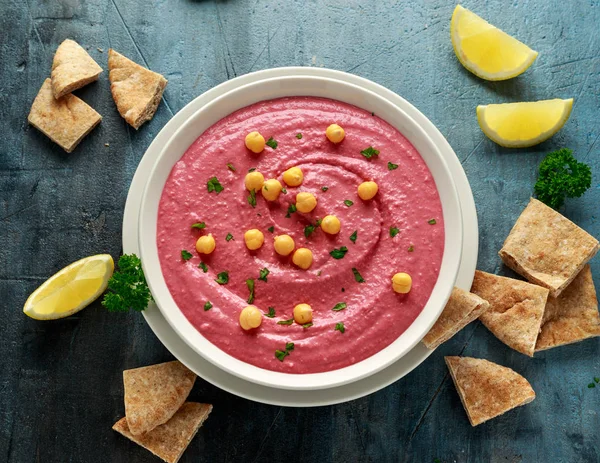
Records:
x=168, y=441
x=136, y=90
x=487, y=390
x=65, y=121
x=516, y=309
x=153, y=394
x=72, y=68
x=572, y=316
x=461, y=309
x=547, y=248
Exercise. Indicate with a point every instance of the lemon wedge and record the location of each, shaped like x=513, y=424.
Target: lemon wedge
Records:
x=485, y=50
x=519, y=125
x=71, y=289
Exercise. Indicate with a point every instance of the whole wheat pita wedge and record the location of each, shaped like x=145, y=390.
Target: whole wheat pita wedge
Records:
x=72, y=68
x=461, y=309
x=547, y=248
x=572, y=316
x=65, y=121
x=168, y=441
x=486, y=389
x=154, y=393
x=516, y=309
x=136, y=90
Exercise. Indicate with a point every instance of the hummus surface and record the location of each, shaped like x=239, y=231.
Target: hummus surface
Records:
x=375, y=315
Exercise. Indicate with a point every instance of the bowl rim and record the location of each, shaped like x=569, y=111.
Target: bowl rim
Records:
x=278, y=87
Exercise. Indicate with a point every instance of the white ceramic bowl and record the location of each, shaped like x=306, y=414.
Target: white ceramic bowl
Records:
x=277, y=88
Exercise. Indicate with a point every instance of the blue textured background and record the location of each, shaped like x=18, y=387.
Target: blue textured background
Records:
x=60, y=382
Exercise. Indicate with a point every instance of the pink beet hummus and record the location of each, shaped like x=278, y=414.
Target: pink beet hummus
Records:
x=375, y=316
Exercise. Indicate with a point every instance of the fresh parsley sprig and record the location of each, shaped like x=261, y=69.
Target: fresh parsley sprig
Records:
x=127, y=288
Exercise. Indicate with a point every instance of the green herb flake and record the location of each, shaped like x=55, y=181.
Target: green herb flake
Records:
x=299, y=136
x=230, y=167
x=310, y=228
x=250, y=285
x=411, y=248
x=252, y=198
x=199, y=225
x=286, y=322
x=339, y=306
x=597, y=380
x=340, y=327
x=348, y=203
x=284, y=191
x=339, y=253
x=222, y=278
x=591, y=385
x=272, y=143
x=290, y=211
x=203, y=266
x=307, y=325
x=214, y=185
x=229, y=237
x=289, y=346
x=263, y=274
x=437, y=460
x=281, y=354
x=394, y=231
x=392, y=166
x=208, y=306
x=431, y=221
x=369, y=152
x=324, y=188
x=271, y=229
x=186, y=255
x=127, y=287
x=252, y=169
x=357, y=276
x=271, y=313
x=353, y=236
x=319, y=273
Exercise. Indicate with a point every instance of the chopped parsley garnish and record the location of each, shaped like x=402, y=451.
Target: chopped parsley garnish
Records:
x=357, y=276
x=310, y=228
x=272, y=143
x=307, y=325
x=199, y=225
x=186, y=255
x=286, y=322
x=394, y=231
x=319, y=273
x=271, y=229
x=299, y=136
x=208, y=306
x=431, y=221
x=263, y=274
x=348, y=203
x=252, y=169
x=281, y=354
x=284, y=191
x=339, y=253
x=250, y=285
x=591, y=385
x=339, y=306
x=369, y=152
x=597, y=379
x=222, y=278
x=411, y=248
x=252, y=198
x=271, y=313
x=214, y=185
x=127, y=288
x=203, y=266
x=353, y=236
x=324, y=188
x=230, y=167
x=340, y=327
x=229, y=237
x=290, y=211
x=392, y=166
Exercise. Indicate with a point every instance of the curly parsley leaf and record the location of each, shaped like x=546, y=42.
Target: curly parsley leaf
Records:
x=290, y=211
x=281, y=354
x=310, y=228
x=272, y=143
x=263, y=274
x=394, y=231
x=250, y=285
x=203, y=266
x=214, y=185
x=357, y=276
x=392, y=166
x=369, y=152
x=339, y=253
x=186, y=255
x=222, y=278
x=127, y=288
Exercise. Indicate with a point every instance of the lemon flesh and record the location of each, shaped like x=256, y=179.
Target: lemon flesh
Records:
x=71, y=289
x=519, y=125
x=485, y=50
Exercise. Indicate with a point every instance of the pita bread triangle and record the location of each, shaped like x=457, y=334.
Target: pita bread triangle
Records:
x=72, y=68
x=461, y=309
x=516, y=309
x=168, y=441
x=486, y=389
x=154, y=393
x=136, y=90
x=572, y=316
